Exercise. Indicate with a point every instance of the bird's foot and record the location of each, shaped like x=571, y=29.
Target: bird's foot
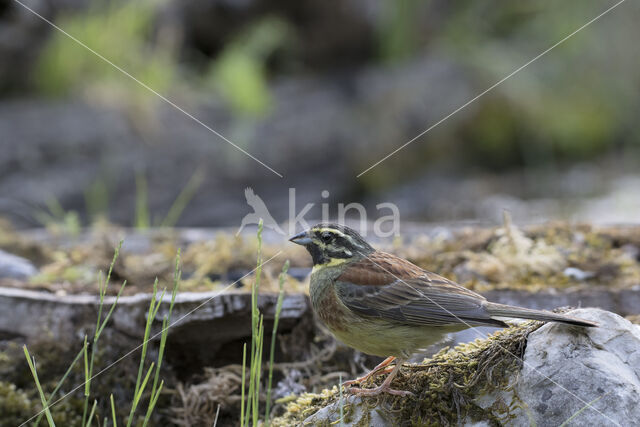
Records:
x=378, y=370
x=374, y=373
x=384, y=388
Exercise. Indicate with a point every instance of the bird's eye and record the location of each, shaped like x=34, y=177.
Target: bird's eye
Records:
x=326, y=237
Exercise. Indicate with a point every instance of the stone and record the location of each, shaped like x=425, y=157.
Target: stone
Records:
x=15, y=267
x=330, y=416
x=566, y=369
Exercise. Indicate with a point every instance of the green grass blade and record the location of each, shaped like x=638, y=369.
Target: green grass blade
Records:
x=244, y=366
x=154, y=386
x=177, y=273
x=142, y=203
x=152, y=403
x=145, y=341
x=96, y=337
x=93, y=411
x=87, y=380
x=62, y=380
x=156, y=377
x=258, y=372
x=255, y=318
x=86, y=367
x=159, y=303
x=113, y=411
x=100, y=325
x=249, y=393
x=274, y=334
x=45, y=406
x=183, y=199
x=102, y=287
x=147, y=332
x=138, y=395
x=110, y=312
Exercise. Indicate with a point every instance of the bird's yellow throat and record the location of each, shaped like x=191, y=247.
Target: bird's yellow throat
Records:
x=332, y=263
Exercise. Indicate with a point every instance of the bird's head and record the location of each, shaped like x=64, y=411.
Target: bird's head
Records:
x=333, y=243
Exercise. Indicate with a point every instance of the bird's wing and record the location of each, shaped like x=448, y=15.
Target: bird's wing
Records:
x=388, y=287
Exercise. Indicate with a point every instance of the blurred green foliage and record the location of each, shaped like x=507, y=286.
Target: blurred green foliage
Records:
x=57, y=220
x=96, y=198
x=239, y=72
x=399, y=30
x=119, y=32
x=124, y=34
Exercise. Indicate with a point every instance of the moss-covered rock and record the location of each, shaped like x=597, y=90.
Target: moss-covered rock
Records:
x=531, y=374
x=444, y=387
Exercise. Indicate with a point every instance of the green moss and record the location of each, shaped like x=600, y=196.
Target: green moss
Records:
x=306, y=405
x=15, y=405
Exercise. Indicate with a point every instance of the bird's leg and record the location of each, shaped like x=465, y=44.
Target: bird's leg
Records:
x=378, y=370
x=385, y=387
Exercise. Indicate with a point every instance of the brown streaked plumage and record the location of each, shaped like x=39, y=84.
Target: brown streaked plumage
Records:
x=386, y=306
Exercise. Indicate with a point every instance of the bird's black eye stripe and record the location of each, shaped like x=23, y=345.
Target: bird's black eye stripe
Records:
x=342, y=242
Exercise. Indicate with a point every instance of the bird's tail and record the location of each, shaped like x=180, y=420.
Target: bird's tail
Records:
x=501, y=311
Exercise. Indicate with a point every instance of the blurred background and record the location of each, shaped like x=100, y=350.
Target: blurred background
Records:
x=318, y=91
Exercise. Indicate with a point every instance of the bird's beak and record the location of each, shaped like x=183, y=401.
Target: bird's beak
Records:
x=301, y=238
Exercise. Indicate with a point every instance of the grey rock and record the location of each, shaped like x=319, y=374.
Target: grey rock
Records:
x=565, y=369
x=330, y=415
x=15, y=267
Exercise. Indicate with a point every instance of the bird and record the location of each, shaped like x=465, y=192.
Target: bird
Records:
x=260, y=211
x=384, y=305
